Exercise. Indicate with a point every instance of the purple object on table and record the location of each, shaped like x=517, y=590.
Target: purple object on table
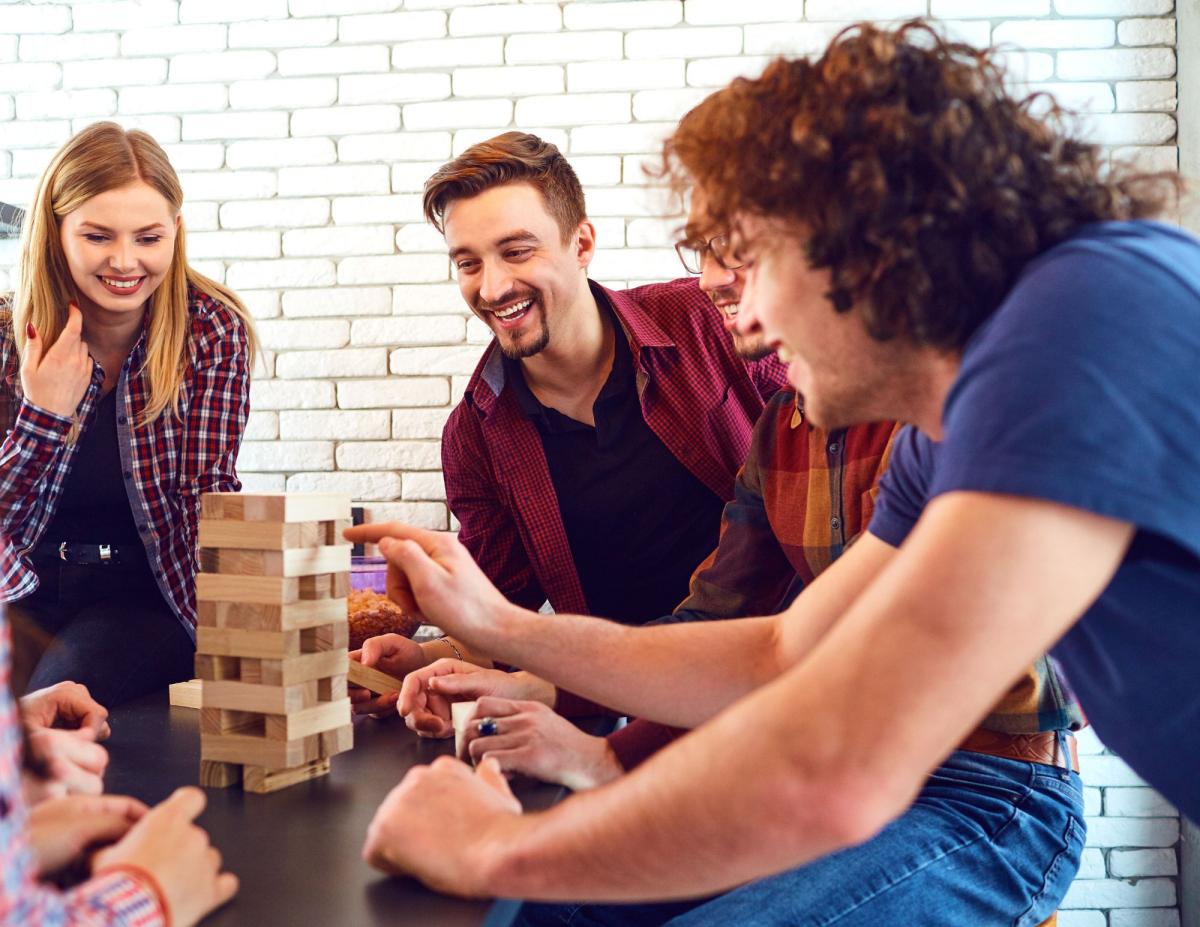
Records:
x=368, y=573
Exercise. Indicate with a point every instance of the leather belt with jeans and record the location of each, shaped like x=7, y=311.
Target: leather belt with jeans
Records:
x=1050, y=748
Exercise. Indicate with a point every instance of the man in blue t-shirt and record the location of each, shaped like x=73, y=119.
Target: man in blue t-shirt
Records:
x=919, y=247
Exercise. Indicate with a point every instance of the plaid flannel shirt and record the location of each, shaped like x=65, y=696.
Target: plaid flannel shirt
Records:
x=105, y=901
x=802, y=497
x=697, y=396
x=167, y=464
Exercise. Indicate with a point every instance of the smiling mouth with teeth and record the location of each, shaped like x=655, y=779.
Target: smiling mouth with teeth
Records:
x=122, y=284
x=511, y=312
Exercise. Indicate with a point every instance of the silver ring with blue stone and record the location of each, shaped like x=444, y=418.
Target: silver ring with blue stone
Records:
x=488, y=727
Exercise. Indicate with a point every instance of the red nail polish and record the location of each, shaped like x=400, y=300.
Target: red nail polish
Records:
x=30, y=331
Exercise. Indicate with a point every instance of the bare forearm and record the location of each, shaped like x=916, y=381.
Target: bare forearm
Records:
x=676, y=674
x=625, y=842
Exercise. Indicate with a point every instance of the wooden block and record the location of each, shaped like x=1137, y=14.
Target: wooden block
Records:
x=216, y=775
x=223, y=721
x=303, y=668
x=368, y=677
x=462, y=714
x=264, y=535
x=325, y=586
x=261, y=780
x=266, y=590
x=210, y=667
x=333, y=530
x=258, y=751
x=268, y=699
x=251, y=671
x=299, y=561
x=324, y=716
x=237, y=642
x=334, y=636
x=339, y=740
x=260, y=617
x=184, y=694
x=279, y=506
x=331, y=689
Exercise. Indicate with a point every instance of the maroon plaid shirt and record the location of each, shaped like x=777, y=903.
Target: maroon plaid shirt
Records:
x=168, y=463
x=697, y=396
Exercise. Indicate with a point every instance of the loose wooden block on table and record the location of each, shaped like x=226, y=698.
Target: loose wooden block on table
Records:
x=184, y=694
x=461, y=714
x=370, y=678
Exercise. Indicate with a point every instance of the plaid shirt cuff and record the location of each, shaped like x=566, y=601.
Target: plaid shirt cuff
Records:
x=41, y=423
x=128, y=900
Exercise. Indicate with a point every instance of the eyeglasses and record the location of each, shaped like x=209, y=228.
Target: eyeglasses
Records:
x=692, y=255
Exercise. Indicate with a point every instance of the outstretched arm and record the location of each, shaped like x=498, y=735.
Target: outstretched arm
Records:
x=646, y=668
x=820, y=758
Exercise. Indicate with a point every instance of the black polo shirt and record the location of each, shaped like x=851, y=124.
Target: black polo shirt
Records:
x=638, y=521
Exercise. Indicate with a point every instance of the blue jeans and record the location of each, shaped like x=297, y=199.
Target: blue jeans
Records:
x=987, y=841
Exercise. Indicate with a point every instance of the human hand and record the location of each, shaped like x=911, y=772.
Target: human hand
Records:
x=60, y=829
x=444, y=824
x=56, y=378
x=395, y=655
x=532, y=740
x=430, y=573
x=67, y=762
x=175, y=851
x=427, y=693
x=65, y=705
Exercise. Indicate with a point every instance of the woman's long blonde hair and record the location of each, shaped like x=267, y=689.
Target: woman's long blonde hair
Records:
x=102, y=157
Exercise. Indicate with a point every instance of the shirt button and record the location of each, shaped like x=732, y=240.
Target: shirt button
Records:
x=833, y=447
x=121, y=420
x=142, y=528
x=128, y=475
x=835, y=522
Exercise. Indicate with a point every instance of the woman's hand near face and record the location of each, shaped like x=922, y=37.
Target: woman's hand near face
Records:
x=55, y=379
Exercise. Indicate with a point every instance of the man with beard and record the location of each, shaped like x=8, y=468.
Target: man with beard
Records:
x=599, y=437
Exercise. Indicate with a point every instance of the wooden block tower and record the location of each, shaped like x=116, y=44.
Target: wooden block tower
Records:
x=271, y=638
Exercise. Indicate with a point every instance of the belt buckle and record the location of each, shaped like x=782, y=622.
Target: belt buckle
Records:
x=105, y=553
x=62, y=551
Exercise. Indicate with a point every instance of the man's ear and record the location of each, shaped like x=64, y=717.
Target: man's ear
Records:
x=585, y=243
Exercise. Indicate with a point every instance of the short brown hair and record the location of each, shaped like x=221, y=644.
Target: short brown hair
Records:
x=514, y=157
x=913, y=174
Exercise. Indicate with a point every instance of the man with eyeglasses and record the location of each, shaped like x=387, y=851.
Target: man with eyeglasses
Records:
x=599, y=437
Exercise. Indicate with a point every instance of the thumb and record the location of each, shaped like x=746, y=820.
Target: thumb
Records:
x=74, y=327
x=186, y=802
x=491, y=775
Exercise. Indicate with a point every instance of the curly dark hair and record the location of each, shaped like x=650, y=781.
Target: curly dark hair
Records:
x=912, y=172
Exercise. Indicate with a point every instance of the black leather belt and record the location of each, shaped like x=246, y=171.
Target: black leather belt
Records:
x=85, y=554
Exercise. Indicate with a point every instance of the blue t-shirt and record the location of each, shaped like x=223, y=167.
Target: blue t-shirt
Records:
x=1084, y=389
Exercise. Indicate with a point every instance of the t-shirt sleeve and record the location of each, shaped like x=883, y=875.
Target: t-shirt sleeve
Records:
x=903, y=488
x=1081, y=390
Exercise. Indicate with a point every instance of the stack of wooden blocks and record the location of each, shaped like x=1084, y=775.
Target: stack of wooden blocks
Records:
x=271, y=639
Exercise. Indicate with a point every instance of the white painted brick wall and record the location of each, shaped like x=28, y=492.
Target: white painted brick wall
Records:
x=305, y=129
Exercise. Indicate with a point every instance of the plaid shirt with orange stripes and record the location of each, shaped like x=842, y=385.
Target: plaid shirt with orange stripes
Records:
x=801, y=498
x=168, y=463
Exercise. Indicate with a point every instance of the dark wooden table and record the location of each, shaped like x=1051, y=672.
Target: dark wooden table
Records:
x=297, y=851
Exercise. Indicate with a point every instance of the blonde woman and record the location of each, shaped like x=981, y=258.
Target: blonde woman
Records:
x=126, y=373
